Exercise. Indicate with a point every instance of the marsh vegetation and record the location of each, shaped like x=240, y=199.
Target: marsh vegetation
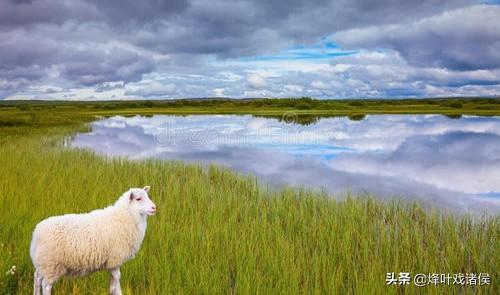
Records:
x=219, y=232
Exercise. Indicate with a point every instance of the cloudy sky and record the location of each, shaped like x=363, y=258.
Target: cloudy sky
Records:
x=126, y=49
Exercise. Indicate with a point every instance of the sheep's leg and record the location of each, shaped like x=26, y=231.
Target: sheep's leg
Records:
x=46, y=286
x=37, y=283
x=115, y=288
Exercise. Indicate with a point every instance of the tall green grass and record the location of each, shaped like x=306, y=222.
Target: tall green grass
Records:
x=217, y=232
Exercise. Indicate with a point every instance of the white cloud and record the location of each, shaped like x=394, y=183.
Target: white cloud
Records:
x=153, y=89
x=293, y=88
x=256, y=80
x=319, y=85
x=462, y=39
x=218, y=92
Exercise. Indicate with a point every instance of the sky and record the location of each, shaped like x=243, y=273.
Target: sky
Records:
x=153, y=49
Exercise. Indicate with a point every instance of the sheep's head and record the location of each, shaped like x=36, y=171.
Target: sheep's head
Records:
x=140, y=201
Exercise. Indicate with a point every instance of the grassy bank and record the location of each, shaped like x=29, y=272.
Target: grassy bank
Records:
x=304, y=106
x=219, y=232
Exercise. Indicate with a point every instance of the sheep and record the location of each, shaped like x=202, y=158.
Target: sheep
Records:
x=79, y=244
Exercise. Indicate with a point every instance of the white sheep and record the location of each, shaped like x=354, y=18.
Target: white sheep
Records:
x=79, y=244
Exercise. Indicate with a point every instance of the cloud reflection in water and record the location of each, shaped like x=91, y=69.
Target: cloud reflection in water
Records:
x=449, y=163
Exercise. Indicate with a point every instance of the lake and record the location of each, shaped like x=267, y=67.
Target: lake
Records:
x=450, y=163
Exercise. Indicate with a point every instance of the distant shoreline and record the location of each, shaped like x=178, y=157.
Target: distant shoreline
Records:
x=272, y=107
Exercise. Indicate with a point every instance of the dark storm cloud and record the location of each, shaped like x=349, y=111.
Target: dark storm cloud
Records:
x=34, y=54
x=462, y=39
x=19, y=49
x=124, y=11
x=219, y=26
x=28, y=12
x=15, y=13
x=239, y=28
x=96, y=67
x=88, y=43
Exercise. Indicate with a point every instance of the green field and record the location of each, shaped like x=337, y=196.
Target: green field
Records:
x=217, y=232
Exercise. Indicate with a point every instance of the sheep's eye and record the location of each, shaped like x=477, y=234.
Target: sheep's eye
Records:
x=138, y=199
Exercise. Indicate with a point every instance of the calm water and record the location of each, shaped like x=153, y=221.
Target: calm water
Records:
x=445, y=162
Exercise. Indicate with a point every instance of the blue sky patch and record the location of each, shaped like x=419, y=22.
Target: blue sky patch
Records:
x=323, y=50
x=490, y=2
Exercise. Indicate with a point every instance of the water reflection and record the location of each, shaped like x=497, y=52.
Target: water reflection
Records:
x=452, y=163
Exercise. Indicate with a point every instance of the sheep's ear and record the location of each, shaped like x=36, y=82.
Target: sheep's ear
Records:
x=146, y=188
x=131, y=196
